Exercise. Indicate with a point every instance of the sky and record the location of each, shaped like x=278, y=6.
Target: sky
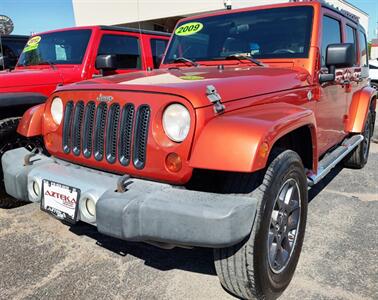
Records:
x=371, y=7
x=30, y=16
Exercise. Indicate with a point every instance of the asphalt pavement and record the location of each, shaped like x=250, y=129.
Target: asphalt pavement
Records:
x=41, y=258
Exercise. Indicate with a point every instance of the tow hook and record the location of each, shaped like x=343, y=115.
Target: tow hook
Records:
x=28, y=157
x=122, y=184
x=215, y=98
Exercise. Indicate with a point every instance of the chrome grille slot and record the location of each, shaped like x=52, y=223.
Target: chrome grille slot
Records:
x=111, y=133
x=125, y=136
x=141, y=136
x=77, y=127
x=99, y=132
x=88, y=129
x=67, y=127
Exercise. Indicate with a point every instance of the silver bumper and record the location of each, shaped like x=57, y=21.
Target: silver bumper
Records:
x=147, y=211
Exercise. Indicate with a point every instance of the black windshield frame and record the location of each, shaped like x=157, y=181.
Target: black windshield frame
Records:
x=73, y=47
x=214, y=27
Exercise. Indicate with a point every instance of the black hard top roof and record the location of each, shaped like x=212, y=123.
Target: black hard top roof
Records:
x=136, y=30
x=14, y=37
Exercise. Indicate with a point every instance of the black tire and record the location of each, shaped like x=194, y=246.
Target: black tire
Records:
x=244, y=269
x=358, y=158
x=10, y=139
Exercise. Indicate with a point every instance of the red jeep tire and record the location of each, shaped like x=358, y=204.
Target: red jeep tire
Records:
x=263, y=265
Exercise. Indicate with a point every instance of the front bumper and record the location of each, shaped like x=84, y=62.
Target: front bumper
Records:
x=147, y=211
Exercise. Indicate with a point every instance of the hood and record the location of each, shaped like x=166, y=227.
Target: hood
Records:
x=28, y=77
x=231, y=83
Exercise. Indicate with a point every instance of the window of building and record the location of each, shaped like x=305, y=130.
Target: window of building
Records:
x=363, y=49
x=351, y=38
x=158, y=49
x=125, y=47
x=331, y=35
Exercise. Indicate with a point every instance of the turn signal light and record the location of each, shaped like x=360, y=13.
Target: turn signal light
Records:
x=173, y=162
x=264, y=149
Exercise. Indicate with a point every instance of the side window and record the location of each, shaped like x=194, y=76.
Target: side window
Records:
x=331, y=35
x=363, y=49
x=125, y=47
x=351, y=38
x=158, y=49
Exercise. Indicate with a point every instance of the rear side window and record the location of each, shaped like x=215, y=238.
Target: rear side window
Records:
x=158, y=49
x=351, y=38
x=363, y=49
x=331, y=35
x=125, y=47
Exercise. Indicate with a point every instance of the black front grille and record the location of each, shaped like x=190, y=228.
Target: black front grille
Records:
x=109, y=131
x=141, y=135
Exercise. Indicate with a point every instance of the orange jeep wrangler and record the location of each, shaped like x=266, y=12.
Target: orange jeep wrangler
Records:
x=217, y=148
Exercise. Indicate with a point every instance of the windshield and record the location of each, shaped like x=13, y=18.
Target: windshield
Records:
x=64, y=47
x=271, y=33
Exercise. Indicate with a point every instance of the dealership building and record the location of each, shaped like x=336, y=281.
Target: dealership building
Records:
x=162, y=15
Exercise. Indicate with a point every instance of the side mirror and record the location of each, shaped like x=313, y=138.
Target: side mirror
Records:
x=106, y=62
x=338, y=56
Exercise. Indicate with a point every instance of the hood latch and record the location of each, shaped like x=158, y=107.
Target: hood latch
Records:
x=215, y=98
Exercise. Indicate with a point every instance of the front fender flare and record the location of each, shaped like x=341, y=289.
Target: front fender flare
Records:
x=358, y=109
x=232, y=142
x=31, y=123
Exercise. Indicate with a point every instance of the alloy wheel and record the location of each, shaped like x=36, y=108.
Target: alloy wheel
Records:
x=284, y=226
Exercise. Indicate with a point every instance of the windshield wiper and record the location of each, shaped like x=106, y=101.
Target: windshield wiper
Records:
x=241, y=57
x=185, y=60
x=47, y=62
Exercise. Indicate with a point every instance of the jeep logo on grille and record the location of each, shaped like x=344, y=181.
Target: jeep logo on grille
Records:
x=102, y=98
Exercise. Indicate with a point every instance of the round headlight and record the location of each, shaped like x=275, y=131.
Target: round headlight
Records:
x=176, y=122
x=57, y=110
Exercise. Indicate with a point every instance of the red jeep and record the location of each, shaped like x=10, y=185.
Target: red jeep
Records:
x=65, y=56
x=218, y=148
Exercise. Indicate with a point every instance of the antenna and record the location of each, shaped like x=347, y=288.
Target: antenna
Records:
x=144, y=57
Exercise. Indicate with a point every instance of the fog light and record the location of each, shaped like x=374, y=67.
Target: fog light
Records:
x=36, y=189
x=90, y=206
x=173, y=162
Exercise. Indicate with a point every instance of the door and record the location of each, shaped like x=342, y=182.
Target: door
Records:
x=331, y=107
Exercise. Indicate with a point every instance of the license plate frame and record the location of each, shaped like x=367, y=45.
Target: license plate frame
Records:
x=62, y=203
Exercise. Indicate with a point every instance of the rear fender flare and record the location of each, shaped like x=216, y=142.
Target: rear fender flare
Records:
x=359, y=108
x=234, y=141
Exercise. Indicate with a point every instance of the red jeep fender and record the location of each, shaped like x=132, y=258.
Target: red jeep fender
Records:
x=31, y=122
x=358, y=109
x=240, y=141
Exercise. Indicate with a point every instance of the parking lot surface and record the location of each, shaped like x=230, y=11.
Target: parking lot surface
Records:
x=41, y=258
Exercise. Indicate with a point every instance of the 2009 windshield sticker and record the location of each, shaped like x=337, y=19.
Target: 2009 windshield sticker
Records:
x=32, y=44
x=189, y=28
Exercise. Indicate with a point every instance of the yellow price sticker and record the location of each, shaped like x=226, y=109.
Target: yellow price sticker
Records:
x=189, y=28
x=32, y=44
x=34, y=40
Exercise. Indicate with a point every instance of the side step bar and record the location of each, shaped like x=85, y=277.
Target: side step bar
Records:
x=333, y=158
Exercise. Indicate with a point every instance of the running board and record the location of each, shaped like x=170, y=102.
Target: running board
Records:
x=333, y=158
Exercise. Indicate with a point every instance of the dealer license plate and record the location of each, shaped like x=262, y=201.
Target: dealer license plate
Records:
x=60, y=200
